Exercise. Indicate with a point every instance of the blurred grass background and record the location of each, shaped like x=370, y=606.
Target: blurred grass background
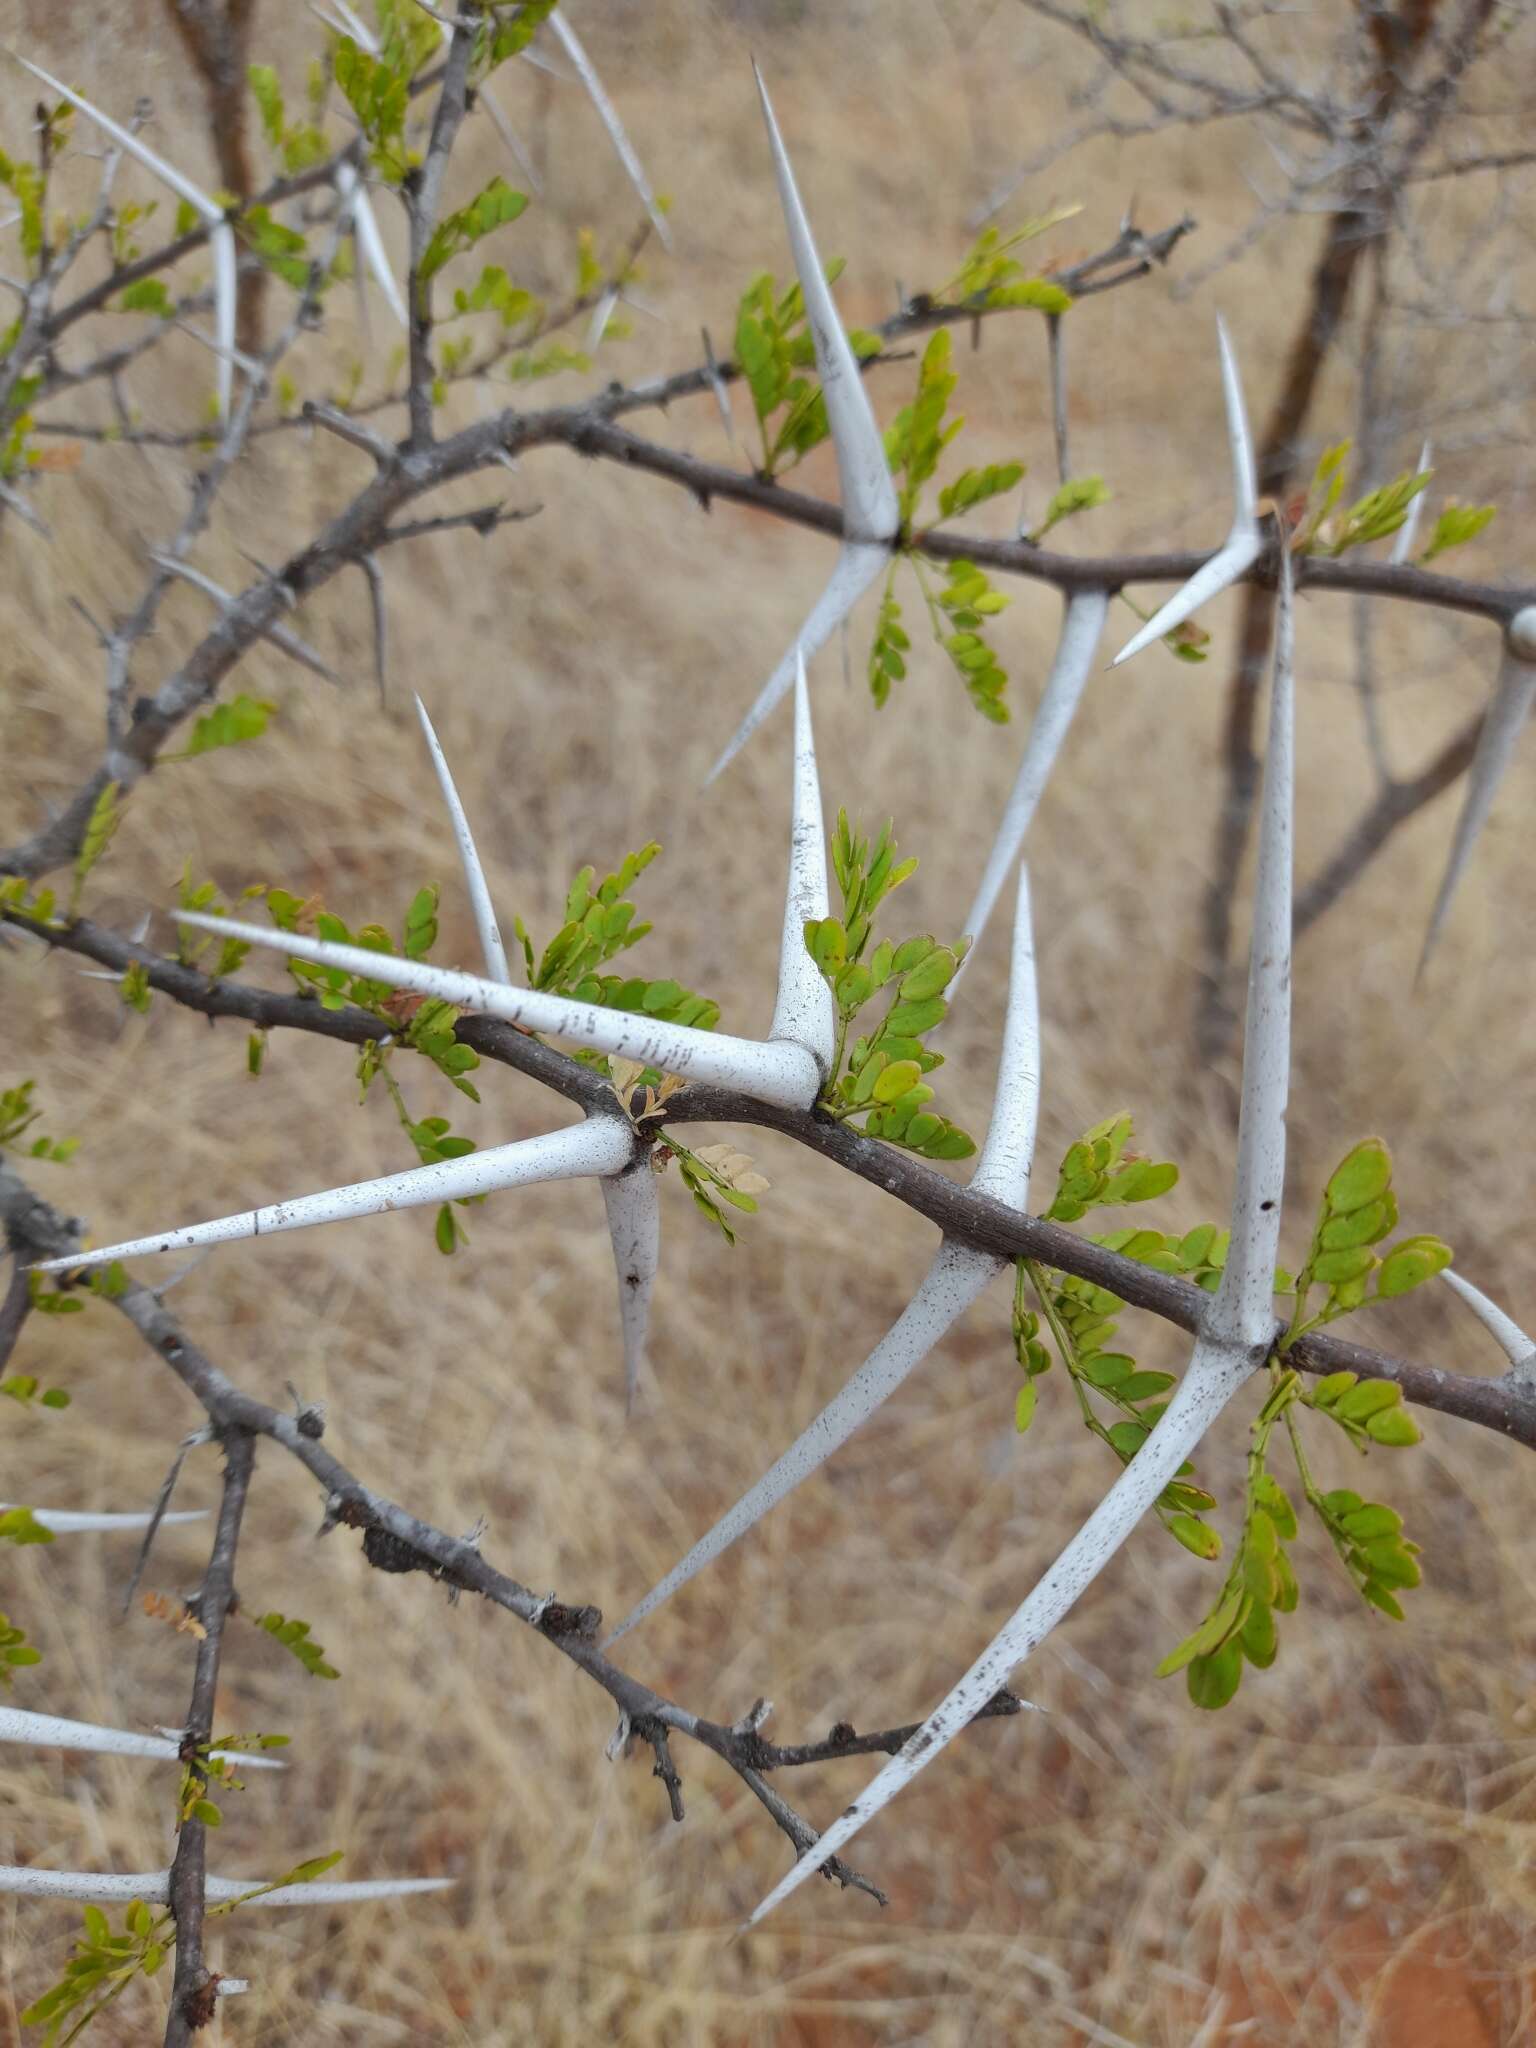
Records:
x=1344, y=1855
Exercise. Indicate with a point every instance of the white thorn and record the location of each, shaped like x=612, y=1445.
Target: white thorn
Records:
x=804, y=1012
x=1517, y=1347
x=357, y=206
x=1003, y=1169
x=71, y=1522
x=1214, y=1375
x=1238, y=1324
x=597, y=325
x=951, y=1284
x=1080, y=631
x=857, y=567
x=357, y=28
x=1496, y=745
x=1243, y=545
x=49, y=1731
x=633, y=1202
x=1402, y=540
x=153, y=1887
x=508, y=134
x=126, y=139
x=784, y=1075
x=953, y=1281
x=492, y=951
x=871, y=513
x=870, y=508
x=1243, y=1311
x=623, y=147
x=598, y=1145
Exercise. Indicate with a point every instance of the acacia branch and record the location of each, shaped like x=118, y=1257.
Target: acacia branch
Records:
x=963, y=1215
x=195, y=1989
x=398, y=1542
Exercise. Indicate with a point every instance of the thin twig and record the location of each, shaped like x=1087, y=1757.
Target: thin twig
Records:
x=195, y=1988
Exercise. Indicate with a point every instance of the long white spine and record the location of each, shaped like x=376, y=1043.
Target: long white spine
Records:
x=782, y=1074
x=1081, y=631
x=803, y=1011
x=597, y=1146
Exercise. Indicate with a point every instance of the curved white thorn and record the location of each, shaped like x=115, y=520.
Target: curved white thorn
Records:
x=508, y=134
x=803, y=1012
x=125, y=139
x=71, y=1522
x=1215, y=1373
x=1496, y=743
x=870, y=507
x=785, y=1075
x=953, y=1281
x=951, y=1284
x=633, y=1201
x=1080, y=632
x=1403, y=539
x=1242, y=546
x=598, y=1145
x=1239, y=1322
x=856, y=569
x=366, y=226
x=1008, y=1152
x=153, y=1887
x=1243, y=1311
x=225, y=270
x=49, y=1731
x=623, y=148
x=1517, y=1347
x=492, y=950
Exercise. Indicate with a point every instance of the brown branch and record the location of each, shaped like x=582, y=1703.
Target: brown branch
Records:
x=1395, y=803
x=963, y=1215
x=423, y=189
x=195, y=1990
x=14, y=1310
x=217, y=39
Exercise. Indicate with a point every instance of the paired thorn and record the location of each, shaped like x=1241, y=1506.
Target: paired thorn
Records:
x=1239, y=1323
x=1243, y=544
x=871, y=513
x=953, y=1281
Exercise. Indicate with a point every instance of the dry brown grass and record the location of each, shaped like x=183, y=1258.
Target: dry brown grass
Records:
x=1343, y=1856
